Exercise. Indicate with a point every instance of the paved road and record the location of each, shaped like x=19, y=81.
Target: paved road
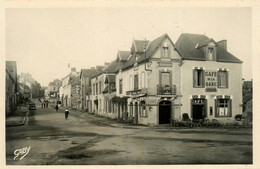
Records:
x=56, y=141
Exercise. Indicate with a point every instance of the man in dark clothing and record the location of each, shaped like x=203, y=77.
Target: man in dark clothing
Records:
x=66, y=113
x=57, y=107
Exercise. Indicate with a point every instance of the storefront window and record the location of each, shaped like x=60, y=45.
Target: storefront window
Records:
x=142, y=109
x=223, y=107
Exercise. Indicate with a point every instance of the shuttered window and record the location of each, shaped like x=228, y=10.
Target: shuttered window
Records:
x=198, y=78
x=223, y=79
x=223, y=108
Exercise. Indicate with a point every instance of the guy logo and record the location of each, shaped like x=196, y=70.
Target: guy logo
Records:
x=23, y=152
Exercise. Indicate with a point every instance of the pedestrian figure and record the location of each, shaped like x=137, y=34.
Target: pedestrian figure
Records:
x=66, y=113
x=57, y=107
x=47, y=103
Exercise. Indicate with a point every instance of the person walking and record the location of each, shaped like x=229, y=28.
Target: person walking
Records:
x=57, y=107
x=66, y=113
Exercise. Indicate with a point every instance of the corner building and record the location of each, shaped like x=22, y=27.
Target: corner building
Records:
x=150, y=79
x=211, y=79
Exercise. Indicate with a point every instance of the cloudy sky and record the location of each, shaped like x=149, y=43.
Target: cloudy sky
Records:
x=43, y=41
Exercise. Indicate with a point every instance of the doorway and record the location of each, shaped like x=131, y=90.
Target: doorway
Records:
x=165, y=112
x=198, y=109
x=136, y=113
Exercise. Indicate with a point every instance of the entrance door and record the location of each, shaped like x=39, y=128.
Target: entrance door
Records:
x=198, y=112
x=164, y=112
x=198, y=109
x=136, y=113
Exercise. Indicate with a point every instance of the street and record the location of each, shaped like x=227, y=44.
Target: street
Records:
x=77, y=141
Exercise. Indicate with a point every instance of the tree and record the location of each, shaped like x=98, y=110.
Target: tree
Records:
x=36, y=87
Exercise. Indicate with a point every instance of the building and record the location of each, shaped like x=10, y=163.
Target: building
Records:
x=158, y=81
x=52, y=90
x=76, y=93
x=85, y=81
x=28, y=80
x=65, y=89
x=211, y=79
x=11, y=87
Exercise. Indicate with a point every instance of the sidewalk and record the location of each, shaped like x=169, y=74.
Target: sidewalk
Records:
x=105, y=121
x=18, y=117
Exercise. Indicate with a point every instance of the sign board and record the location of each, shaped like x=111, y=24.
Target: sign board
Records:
x=211, y=81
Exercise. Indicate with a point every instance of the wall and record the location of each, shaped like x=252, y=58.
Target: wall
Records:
x=234, y=89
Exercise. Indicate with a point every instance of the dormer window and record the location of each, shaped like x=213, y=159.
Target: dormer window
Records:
x=210, y=53
x=165, y=52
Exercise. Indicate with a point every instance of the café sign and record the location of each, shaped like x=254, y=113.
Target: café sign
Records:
x=211, y=81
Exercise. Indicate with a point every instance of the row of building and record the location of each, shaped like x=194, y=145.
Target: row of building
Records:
x=18, y=88
x=159, y=80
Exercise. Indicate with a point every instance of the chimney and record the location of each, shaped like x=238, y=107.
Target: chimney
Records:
x=106, y=63
x=223, y=44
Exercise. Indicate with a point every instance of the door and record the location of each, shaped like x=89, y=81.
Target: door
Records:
x=165, y=112
x=198, y=109
x=136, y=113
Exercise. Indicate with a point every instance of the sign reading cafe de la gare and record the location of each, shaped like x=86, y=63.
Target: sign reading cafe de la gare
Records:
x=211, y=81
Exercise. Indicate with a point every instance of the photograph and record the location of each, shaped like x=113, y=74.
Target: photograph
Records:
x=128, y=85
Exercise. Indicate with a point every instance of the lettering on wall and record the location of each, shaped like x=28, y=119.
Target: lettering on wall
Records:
x=211, y=81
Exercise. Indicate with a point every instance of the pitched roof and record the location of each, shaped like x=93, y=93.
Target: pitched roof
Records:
x=187, y=43
x=112, y=67
x=130, y=62
x=110, y=79
x=139, y=45
x=87, y=73
x=123, y=55
x=151, y=48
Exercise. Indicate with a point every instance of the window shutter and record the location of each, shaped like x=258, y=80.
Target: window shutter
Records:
x=194, y=78
x=218, y=79
x=203, y=78
x=227, y=79
x=216, y=108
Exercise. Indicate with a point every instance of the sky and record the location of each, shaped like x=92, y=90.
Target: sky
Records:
x=43, y=41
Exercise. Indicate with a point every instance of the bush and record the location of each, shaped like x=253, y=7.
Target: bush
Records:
x=238, y=117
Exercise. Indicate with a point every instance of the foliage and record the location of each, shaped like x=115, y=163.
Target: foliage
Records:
x=120, y=100
x=36, y=88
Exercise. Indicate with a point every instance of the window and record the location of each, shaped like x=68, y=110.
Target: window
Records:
x=96, y=88
x=131, y=109
x=198, y=78
x=210, y=53
x=142, y=80
x=120, y=86
x=165, y=78
x=93, y=89
x=136, y=82
x=100, y=87
x=100, y=104
x=223, y=108
x=165, y=50
x=131, y=82
x=109, y=106
x=142, y=109
x=223, y=79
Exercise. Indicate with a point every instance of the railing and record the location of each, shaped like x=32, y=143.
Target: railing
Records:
x=137, y=91
x=166, y=90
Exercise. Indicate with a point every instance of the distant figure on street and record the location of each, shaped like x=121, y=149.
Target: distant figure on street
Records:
x=66, y=113
x=57, y=107
x=47, y=103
